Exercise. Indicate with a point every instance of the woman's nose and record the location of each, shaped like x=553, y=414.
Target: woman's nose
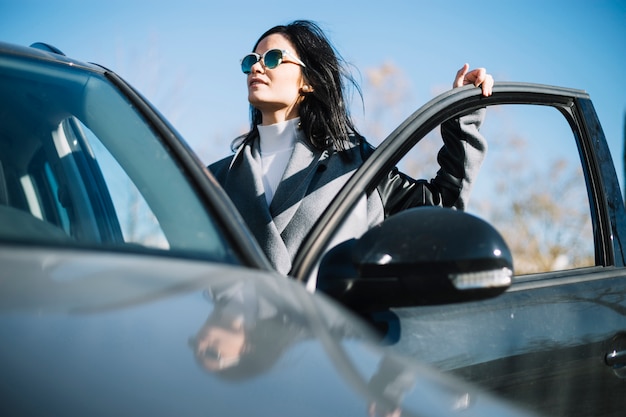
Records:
x=257, y=67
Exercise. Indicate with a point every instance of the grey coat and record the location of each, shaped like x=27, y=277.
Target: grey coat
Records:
x=313, y=177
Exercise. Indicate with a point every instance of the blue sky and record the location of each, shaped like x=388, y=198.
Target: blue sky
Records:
x=184, y=55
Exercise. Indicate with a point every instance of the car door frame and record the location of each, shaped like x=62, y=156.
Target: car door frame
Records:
x=607, y=207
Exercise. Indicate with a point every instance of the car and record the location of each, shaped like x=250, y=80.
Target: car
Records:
x=131, y=286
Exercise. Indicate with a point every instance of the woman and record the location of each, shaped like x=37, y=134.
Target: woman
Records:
x=303, y=146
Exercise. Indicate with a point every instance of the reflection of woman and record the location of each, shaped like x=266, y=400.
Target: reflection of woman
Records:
x=243, y=335
x=302, y=146
x=390, y=382
x=249, y=329
x=221, y=342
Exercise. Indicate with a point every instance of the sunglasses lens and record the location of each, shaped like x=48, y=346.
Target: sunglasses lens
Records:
x=247, y=62
x=273, y=58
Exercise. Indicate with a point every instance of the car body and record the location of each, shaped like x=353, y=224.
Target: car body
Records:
x=130, y=286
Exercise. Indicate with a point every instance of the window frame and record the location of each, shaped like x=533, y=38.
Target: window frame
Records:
x=607, y=209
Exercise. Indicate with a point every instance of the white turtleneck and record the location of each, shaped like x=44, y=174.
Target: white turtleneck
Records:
x=276, y=144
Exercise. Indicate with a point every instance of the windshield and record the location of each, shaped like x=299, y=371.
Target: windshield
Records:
x=79, y=166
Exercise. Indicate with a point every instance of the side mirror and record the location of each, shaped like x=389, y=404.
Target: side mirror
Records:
x=421, y=256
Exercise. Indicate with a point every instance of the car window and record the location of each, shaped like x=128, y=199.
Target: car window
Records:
x=137, y=222
x=79, y=166
x=531, y=186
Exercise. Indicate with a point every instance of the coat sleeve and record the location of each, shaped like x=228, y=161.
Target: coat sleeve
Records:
x=459, y=159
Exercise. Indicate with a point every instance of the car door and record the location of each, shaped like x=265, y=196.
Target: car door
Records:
x=554, y=341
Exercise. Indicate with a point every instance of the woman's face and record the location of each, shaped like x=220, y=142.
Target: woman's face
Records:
x=220, y=346
x=275, y=92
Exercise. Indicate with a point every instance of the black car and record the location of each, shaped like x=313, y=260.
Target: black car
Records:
x=555, y=340
x=130, y=286
x=104, y=188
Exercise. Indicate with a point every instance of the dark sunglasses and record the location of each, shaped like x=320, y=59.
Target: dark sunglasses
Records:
x=271, y=59
x=216, y=356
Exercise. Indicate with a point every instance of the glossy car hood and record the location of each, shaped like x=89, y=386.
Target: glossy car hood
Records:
x=87, y=333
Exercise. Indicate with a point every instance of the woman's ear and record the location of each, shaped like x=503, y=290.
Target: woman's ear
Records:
x=306, y=89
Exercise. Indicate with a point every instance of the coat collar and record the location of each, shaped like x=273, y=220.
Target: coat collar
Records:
x=295, y=181
x=245, y=187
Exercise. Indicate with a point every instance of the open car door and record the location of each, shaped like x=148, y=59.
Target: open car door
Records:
x=553, y=337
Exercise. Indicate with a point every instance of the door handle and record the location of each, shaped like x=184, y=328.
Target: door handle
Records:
x=615, y=358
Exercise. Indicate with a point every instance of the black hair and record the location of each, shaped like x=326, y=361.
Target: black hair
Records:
x=324, y=114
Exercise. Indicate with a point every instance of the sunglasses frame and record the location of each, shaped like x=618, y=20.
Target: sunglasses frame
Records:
x=261, y=58
x=216, y=356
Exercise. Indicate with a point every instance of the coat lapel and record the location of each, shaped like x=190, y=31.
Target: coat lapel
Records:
x=295, y=182
x=280, y=228
x=245, y=187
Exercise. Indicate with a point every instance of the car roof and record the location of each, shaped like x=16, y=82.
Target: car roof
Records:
x=45, y=52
